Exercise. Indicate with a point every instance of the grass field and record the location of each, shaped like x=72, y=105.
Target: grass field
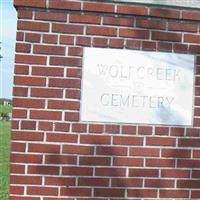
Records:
x=4, y=154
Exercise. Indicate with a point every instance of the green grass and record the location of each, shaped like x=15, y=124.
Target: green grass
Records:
x=4, y=158
x=5, y=109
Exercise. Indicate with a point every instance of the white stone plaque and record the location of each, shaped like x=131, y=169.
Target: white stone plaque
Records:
x=129, y=86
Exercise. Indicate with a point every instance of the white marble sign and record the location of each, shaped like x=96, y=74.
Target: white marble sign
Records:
x=129, y=86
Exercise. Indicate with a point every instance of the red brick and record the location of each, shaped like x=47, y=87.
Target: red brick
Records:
x=193, y=15
x=26, y=158
x=174, y=193
x=29, y=180
x=147, y=152
x=196, y=153
x=159, y=183
x=132, y=10
x=195, y=194
x=32, y=37
x=32, y=26
x=77, y=171
x=20, y=36
x=112, y=128
x=17, y=168
x=66, y=39
x=46, y=93
x=116, y=43
x=166, y=36
x=65, y=5
x=59, y=181
x=80, y=128
x=118, y=21
x=61, y=137
x=101, y=30
x=62, y=127
x=15, y=124
x=175, y=173
x=175, y=131
x=28, y=103
x=161, y=130
x=188, y=184
x=64, y=83
x=85, y=19
x=156, y=162
x=93, y=181
x=176, y=153
x=94, y=161
x=74, y=73
x=17, y=190
x=98, y=7
x=110, y=172
x=180, y=48
x=44, y=148
x=142, y=193
x=94, y=139
x=29, y=81
x=109, y=192
x=183, y=142
x=195, y=173
x=78, y=149
x=24, y=14
x=47, y=71
x=73, y=94
x=159, y=141
x=185, y=27
x=163, y=46
x=75, y=51
x=127, y=129
x=126, y=182
x=19, y=113
x=66, y=105
x=83, y=41
x=194, y=49
x=186, y=163
x=27, y=136
x=100, y=42
x=42, y=169
x=145, y=130
x=45, y=126
x=21, y=69
x=151, y=24
x=191, y=38
x=72, y=116
x=127, y=140
x=51, y=16
x=47, y=115
x=143, y=172
x=50, y=39
x=24, y=48
x=33, y=3
x=48, y=50
x=28, y=125
x=148, y=46
x=42, y=191
x=195, y=132
x=60, y=159
x=134, y=33
x=29, y=59
x=117, y=151
x=120, y=161
x=63, y=61
x=96, y=128
x=18, y=147
x=66, y=28
x=75, y=191
x=169, y=13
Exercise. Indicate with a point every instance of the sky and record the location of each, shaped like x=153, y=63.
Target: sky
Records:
x=8, y=18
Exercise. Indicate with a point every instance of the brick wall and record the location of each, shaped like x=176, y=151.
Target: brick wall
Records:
x=54, y=155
